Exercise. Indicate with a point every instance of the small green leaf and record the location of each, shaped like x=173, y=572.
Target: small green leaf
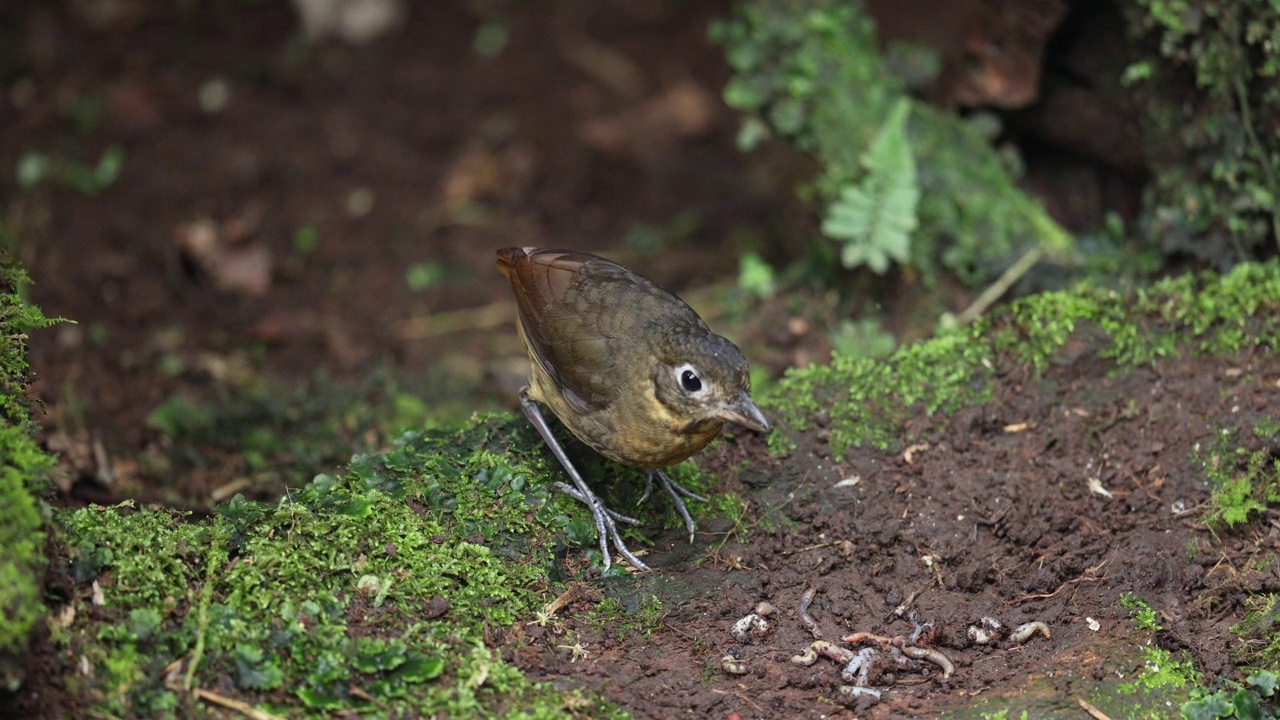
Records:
x=316, y=699
x=876, y=217
x=356, y=507
x=1208, y=708
x=1248, y=706
x=420, y=669
x=143, y=622
x=581, y=532
x=753, y=132
x=756, y=276
x=109, y=167
x=254, y=672
x=305, y=239
x=1264, y=681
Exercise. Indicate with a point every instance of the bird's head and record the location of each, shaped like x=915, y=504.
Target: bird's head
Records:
x=700, y=376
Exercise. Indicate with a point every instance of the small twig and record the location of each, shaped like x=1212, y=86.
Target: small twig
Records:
x=905, y=605
x=1093, y=711
x=677, y=630
x=1000, y=286
x=807, y=548
x=575, y=592
x=743, y=698
x=360, y=693
x=243, y=708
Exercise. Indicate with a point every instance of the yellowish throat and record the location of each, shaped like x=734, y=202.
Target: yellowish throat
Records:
x=628, y=367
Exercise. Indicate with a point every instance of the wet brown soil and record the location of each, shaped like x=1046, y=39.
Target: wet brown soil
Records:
x=992, y=517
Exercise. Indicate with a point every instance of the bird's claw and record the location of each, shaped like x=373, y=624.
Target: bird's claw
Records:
x=606, y=526
x=677, y=492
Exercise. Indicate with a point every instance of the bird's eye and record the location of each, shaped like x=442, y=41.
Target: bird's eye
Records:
x=690, y=381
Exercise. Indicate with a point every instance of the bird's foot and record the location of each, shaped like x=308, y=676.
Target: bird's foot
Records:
x=606, y=524
x=677, y=492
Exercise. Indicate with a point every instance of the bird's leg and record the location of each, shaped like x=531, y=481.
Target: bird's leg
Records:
x=677, y=492
x=572, y=492
x=606, y=528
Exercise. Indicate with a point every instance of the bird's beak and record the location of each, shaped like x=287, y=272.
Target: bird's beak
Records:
x=744, y=412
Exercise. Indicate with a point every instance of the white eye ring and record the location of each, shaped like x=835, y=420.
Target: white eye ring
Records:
x=688, y=379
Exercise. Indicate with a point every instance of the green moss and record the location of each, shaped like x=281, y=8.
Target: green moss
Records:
x=867, y=402
x=1243, y=481
x=21, y=541
x=22, y=466
x=1144, y=618
x=1163, y=671
x=328, y=589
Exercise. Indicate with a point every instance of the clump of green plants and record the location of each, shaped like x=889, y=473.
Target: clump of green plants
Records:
x=628, y=616
x=1144, y=617
x=1245, y=482
x=1256, y=699
x=899, y=181
x=1164, y=674
x=1210, y=87
x=22, y=465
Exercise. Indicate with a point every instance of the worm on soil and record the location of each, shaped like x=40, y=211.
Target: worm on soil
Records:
x=805, y=618
x=934, y=656
x=900, y=643
x=921, y=629
x=864, y=637
x=858, y=670
x=1027, y=631
x=825, y=649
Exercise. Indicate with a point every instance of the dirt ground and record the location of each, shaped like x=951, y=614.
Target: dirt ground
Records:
x=596, y=128
x=987, y=521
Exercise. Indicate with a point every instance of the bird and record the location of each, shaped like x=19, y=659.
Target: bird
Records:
x=629, y=368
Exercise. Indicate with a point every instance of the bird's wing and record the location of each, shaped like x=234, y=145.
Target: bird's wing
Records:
x=560, y=326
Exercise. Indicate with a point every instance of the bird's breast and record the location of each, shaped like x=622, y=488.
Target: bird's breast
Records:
x=635, y=429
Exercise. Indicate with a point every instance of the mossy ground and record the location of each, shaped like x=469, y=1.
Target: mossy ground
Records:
x=418, y=577
x=373, y=590
x=22, y=470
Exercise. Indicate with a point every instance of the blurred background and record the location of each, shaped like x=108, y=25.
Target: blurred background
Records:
x=272, y=223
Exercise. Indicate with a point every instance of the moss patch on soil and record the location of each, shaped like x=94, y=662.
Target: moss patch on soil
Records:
x=375, y=590
x=420, y=578
x=22, y=465
x=868, y=402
